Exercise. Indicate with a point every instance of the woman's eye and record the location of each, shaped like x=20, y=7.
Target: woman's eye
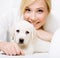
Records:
x=27, y=9
x=40, y=11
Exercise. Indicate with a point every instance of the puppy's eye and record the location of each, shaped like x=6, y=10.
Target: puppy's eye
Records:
x=18, y=31
x=27, y=32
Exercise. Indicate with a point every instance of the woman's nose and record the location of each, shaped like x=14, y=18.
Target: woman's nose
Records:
x=33, y=16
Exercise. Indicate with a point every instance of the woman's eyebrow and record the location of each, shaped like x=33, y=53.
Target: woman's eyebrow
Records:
x=27, y=8
x=40, y=8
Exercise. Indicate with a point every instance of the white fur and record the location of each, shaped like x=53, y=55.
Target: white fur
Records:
x=31, y=42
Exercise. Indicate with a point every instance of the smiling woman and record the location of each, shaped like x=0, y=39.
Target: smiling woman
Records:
x=36, y=12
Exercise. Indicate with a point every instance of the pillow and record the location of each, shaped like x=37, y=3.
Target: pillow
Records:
x=53, y=21
x=51, y=24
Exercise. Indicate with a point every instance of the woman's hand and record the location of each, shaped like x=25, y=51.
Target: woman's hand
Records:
x=10, y=48
x=44, y=35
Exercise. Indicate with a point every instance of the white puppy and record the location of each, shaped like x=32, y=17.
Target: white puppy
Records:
x=24, y=34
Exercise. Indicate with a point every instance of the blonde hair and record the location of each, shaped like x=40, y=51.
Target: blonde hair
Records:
x=48, y=3
x=25, y=3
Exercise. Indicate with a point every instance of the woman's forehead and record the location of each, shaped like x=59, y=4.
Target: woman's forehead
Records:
x=38, y=4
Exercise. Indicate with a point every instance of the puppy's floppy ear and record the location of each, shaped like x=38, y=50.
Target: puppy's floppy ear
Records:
x=34, y=34
x=11, y=33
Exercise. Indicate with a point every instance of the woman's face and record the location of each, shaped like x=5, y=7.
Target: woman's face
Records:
x=36, y=13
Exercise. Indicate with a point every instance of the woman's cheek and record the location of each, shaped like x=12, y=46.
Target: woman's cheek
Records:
x=41, y=16
x=25, y=16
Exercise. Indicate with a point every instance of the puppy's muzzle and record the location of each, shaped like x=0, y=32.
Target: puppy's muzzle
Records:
x=21, y=40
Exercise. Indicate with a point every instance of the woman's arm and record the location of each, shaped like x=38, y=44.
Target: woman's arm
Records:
x=44, y=35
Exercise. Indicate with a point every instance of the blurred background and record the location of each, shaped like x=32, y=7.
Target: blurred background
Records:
x=8, y=4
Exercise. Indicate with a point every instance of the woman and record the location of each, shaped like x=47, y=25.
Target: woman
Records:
x=35, y=12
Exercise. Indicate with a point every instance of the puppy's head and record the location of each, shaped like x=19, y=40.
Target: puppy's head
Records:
x=22, y=32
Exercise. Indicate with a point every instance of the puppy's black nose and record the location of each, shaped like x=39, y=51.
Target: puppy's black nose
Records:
x=21, y=40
